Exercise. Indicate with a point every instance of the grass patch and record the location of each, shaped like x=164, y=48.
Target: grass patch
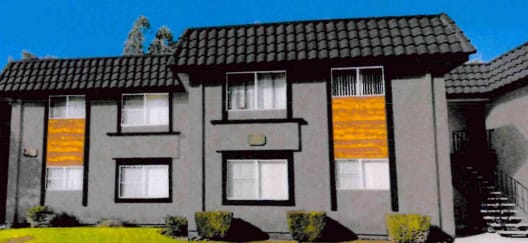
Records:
x=97, y=235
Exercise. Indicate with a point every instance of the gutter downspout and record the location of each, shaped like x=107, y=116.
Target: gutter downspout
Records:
x=437, y=166
x=19, y=155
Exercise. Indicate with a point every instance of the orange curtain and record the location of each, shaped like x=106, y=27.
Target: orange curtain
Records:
x=65, y=142
x=360, y=127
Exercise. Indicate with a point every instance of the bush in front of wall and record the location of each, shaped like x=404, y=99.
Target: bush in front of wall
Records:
x=213, y=225
x=110, y=222
x=39, y=216
x=65, y=220
x=175, y=226
x=306, y=225
x=407, y=228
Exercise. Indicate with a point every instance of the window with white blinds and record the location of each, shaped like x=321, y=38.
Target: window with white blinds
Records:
x=148, y=109
x=357, y=81
x=67, y=106
x=366, y=174
x=64, y=178
x=143, y=181
x=257, y=179
x=256, y=91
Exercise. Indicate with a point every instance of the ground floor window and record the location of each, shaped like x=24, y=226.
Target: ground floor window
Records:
x=358, y=174
x=144, y=179
x=258, y=178
x=64, y=178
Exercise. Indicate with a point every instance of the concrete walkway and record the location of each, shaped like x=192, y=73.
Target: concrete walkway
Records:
x=489, y=238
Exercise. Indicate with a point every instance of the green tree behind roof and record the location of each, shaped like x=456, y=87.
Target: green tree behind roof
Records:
x=136, y=37
x=163, y=41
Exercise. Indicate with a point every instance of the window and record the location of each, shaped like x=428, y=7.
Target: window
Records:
x=357, y=81
x=149, y=180
x=367, y=174
x=67, y=106
x=64, y=178
x=257, y=179
x=256, y=91
x=150, y=109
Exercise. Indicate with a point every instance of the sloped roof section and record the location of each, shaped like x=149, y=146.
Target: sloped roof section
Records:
x=145, y=71
x=321, y=40
x=488, y=77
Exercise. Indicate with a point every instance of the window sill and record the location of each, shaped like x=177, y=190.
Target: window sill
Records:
x=301, y=121
x=259, y=202
x=143, y=200
x=122, y=134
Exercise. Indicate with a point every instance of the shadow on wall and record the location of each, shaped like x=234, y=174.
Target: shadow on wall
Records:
x=511, y=145
x=437, y=235
x=335, y=231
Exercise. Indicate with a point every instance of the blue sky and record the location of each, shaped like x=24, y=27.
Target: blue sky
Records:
x=69, y=28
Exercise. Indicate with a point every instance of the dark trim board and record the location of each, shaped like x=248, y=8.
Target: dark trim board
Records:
x=44, y=154
x=393, y=175
x=261, y=154
x=5, y=129
x=301, y=121
x=86, y=162
x=124, y=134
x=141, y=161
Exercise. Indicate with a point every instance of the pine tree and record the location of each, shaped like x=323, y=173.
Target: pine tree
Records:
x=26, y=55
x=136, y=37
x=163, y=41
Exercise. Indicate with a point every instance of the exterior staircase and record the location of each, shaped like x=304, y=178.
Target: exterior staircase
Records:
x=497, y=209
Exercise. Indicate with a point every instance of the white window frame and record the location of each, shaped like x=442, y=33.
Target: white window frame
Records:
x=67, y=112
x=255, y=80
x=359, y=83
x=144, y=109
x=143, y=180
x=362, y=179
x=258, y=188
x=65, y=178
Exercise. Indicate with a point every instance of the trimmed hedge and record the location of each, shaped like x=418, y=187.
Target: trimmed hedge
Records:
x=407, y=228
x=213, y=225
x=306, y=225
x=175, y=226
x=40, y=216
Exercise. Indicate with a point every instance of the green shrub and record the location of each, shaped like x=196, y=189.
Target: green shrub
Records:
x=213, y=225
x=406, y=228
x=109, y=222
x=306, y=225
x=175, y=226
x=64, y=220
x=39, y=216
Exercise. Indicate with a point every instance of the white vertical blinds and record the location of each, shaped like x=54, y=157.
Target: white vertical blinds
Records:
x=257, y=180
x=67, y=106
x=143, y=181
x=145, y=109
x=64, y=178
x=357, y=82
x=256, y=91
x=362, y=174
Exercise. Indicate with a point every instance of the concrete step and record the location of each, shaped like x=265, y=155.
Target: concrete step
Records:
x=496, y=205
x=496, y=199
x=515, y=233
x=495, y=193
x=508, y=225
x=506, y=219
x=497, y=211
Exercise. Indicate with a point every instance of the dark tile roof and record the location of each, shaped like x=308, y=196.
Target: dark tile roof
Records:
x=87, y=73
x=321, y=39
x=487, y=77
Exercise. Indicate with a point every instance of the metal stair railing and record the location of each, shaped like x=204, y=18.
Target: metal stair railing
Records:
x=513, y=189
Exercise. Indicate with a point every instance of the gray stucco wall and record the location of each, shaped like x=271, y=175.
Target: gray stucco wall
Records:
x=23, y=186
x=507, y=117
x=422, y=152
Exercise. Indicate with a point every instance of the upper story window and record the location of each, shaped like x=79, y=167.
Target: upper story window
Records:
x=145, y=109
x=67, y=106
x=256, y=91
x=358, y=81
